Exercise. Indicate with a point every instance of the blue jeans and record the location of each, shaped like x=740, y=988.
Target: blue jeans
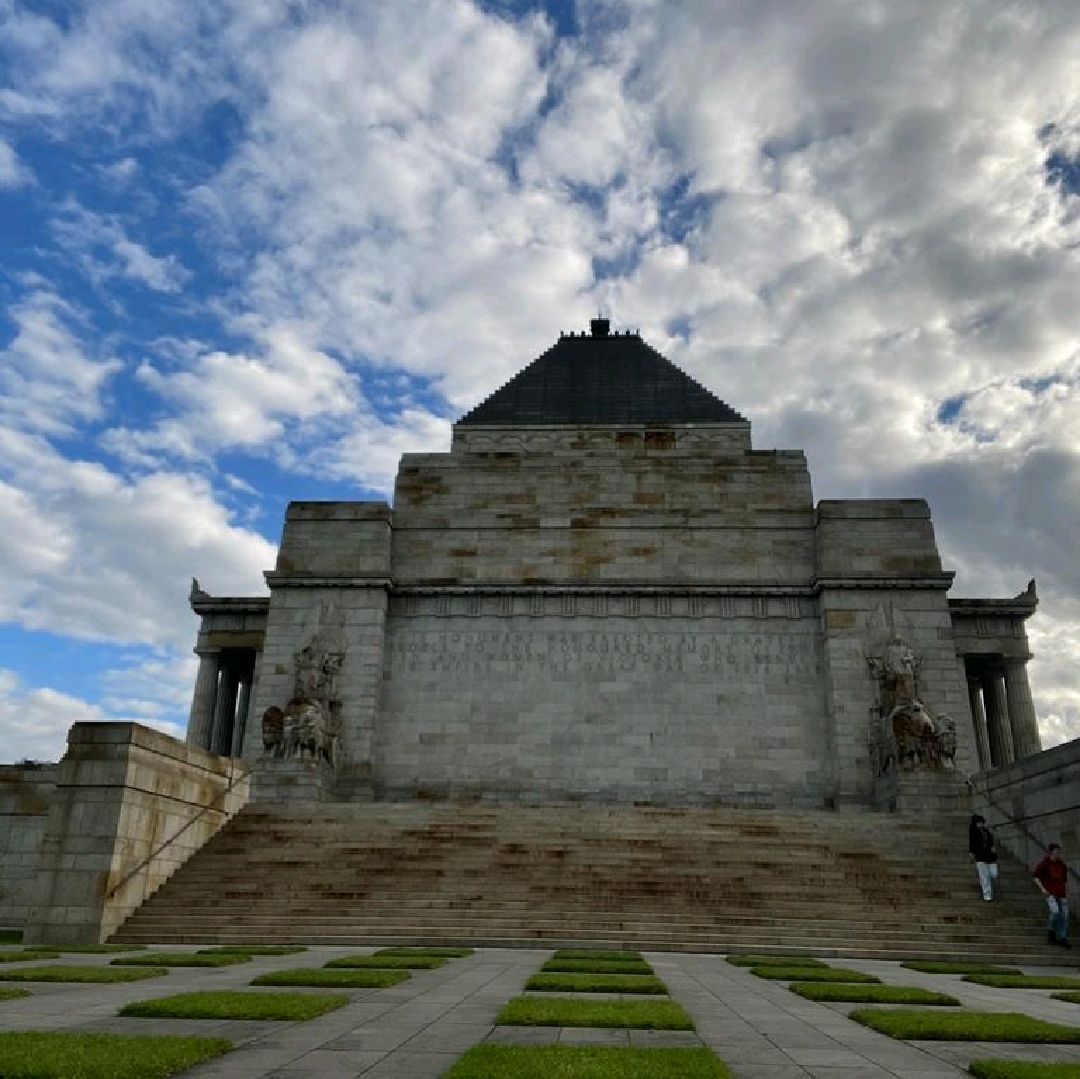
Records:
x=1059, y=917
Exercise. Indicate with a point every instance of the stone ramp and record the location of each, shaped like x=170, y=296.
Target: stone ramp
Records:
x=724, y=880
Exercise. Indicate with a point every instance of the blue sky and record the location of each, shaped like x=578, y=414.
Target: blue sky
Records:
x=254, y=251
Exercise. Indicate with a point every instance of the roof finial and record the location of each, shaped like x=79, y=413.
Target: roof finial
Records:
x=599, y=326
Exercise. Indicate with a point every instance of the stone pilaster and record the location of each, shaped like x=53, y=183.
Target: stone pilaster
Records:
x=1022, y=721
x=978, y=716
x=201, y=720
x=997, y=719
x=225, y=712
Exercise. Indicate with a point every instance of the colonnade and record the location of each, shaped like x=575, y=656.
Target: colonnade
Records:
x=222, y=699
x=1002, y=709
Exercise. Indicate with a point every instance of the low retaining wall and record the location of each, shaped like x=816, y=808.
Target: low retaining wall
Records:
x=1034, y=802
x=25, y=791
x=131, y=805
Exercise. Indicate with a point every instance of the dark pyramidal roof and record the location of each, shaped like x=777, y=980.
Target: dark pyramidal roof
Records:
x=601, y=378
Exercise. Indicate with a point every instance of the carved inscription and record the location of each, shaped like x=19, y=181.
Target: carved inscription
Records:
x=570, y=655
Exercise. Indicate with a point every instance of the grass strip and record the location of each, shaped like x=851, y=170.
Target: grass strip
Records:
x=334, y=979
x=295, y=1007
x=611, y=955
x=27, y=956
x=814, y=974
x=388, y=962
x=180, y=959
x=13, y=994
x=574, y=1012
x=79, y=974
x=1022, y=1069
x=586, y=1062
x=596, y=983
x=442, y=953
x=1069, y=998
x=964, y=1026
x=596, y=966
x=93, y=949
x=49, y=1055
x=774, y=961
x=1023, y=981
x=870, y=994
x=959, y=968
x=253, y=949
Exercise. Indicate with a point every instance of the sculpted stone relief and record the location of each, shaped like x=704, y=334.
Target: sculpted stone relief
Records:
x=309, y=726
x=904, y=735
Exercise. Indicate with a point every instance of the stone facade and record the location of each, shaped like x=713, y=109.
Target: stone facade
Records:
x=604, y=592
x=25, y=793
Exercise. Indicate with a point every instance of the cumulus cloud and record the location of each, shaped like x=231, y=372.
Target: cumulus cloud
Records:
x=13, y=173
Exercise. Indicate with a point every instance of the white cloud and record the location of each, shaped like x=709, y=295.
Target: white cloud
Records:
x=13, y=172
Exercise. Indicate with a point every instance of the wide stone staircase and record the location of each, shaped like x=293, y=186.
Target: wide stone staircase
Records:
x=725, y=880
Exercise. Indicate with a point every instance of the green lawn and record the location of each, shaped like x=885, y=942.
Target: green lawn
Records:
x=27, y=956
x=181, y=959
x=334, y=979
x=596, y=966
x=959, y=968
x=1069, y=998
x=442, y=953
x=294, y=1007
x=1019, y=1069
x=389, y=962
x=254, y=949
x=61, y=973
x=92, y=949
x=13, y=994
x=597, y=983
x=813, y=974
x=611, y=955
x=774, y=961
x=586, y=1062
x=102, y=1056
x=1024, y=981
x=574, y=1012
x=870, y=994
x=917, y=1025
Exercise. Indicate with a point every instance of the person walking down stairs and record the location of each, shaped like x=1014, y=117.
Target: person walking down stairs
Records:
x=1052, y=877
x=981, y=845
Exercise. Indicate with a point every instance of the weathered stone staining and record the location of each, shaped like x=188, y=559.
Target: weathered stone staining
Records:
x=603, y=592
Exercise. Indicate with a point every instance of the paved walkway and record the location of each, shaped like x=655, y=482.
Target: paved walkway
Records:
x=419, y=1028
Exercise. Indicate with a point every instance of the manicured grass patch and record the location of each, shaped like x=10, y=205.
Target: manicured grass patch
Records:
x=1069, y=998
x=254, y=949
x=586, y=1062
x=13, y=994
x=774, y=961
x=596, y=983
x=870, y=994
x=813, y=974
x=388, y=962
x=1022, y=1069
x=60, y=973
x=959, y=968
x=26, y=956
x=180, y=959
x=610, y=956
x=1024, y=981
x=443, y=953
x=238, y=1005
x=596, y=966
x=101, y=1056
x=574, y=1012
x=93, y=949
x=917, y=1025
x=334, y=979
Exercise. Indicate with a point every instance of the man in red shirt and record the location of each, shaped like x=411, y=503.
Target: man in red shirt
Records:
x=1052, y=877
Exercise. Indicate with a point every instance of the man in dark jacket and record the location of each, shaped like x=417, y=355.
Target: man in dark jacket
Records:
x=1052, y=877
x=981, y=845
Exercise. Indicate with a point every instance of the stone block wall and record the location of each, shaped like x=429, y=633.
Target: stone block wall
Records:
x=25, y=791
x=131, y=805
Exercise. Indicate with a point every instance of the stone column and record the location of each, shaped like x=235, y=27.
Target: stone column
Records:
x=997, y=719
x=240, y=723
x=201, y=719
x=224, y=713
x=1025, y=728
x=978, y=715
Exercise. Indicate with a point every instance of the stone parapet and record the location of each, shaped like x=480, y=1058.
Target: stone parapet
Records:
x=25, y=792
x=602, y=440
x=131, y=805
x=335, y=539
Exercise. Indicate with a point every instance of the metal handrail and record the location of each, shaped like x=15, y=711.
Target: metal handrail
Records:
x=234, y=779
